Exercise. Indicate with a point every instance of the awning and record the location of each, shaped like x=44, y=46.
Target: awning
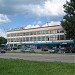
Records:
x=36, y=43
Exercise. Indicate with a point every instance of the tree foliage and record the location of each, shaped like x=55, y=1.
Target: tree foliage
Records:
x=68, y=22
x=3, y=40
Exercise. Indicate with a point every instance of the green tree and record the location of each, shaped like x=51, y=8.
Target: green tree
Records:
x=68, y=22
x=3, y=40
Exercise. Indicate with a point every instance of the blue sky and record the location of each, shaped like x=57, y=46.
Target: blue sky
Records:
x=29, y=13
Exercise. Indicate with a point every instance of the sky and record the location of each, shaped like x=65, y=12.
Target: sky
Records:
x=29, y=13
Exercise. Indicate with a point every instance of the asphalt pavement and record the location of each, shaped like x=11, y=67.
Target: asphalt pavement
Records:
x=69, y=58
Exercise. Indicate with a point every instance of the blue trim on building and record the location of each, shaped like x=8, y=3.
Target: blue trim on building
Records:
x=38, y=43
x=72, y=43
x=46, y=43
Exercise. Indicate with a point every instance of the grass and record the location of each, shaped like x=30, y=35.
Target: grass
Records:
x=28, y=52
x=39, y=53
x=25, y=67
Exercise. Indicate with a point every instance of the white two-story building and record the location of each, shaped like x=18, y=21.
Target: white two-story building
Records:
x=46, y=36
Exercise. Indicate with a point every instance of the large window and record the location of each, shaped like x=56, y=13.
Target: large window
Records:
x=17, y=39
x=27, y=33
x=38, y=32
x=8, y=40
x=24, y=34
x=27, y=38
x=51, y=38
x=47, y=38
x=58, y=37
x=43, y=38
x=8, y=35
x=60, y=31
x=30, y=38
x=34, y=33
x=34, y=38
x=13, y=34
x=30, y=33
x=17, y=34
x=11, y=40
x=61, y=37
x=23, y=39
x=38, y=38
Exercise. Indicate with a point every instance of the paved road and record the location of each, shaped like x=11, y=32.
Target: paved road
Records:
x=41, y=57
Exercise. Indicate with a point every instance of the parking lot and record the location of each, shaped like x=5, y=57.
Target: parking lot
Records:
x=69, y=58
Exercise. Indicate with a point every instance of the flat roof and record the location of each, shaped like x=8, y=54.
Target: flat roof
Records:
x=33, y=28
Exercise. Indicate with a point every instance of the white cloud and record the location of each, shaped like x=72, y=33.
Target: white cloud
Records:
x=34, y=25
x=37, y=22
x=2, y=33
x=4, y=19
x=31, y=26
x=49, y=8
x=52, y=23
x=47, y=24
x=11, y=7
x=34, y=7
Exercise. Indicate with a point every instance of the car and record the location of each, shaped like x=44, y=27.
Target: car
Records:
x=53, y=50
x=44, y=49
x=62, y=50
x=14, y=48
x=27, y=50
x=2, y=51
x=73, y=50
x=67, y=50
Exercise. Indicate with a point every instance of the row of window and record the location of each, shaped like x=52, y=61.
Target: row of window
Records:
x=41, y=38
x=35, y=33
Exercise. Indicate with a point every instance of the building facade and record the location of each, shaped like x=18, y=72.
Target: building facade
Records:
x=38, y=37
